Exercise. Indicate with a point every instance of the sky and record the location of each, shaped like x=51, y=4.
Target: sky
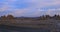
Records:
x=29, y=8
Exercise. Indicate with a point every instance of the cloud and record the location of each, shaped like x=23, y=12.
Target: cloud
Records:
x=53, y=12
x=30, y=7
x=18, y=12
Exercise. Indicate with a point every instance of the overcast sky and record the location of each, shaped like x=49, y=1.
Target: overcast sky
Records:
x=29, y=8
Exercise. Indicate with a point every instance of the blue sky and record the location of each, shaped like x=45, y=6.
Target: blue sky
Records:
x=29, y=8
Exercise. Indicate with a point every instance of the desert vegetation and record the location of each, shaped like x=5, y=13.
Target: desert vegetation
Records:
x=44, y=17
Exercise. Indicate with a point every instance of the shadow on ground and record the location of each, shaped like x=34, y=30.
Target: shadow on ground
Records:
x=5, y=28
